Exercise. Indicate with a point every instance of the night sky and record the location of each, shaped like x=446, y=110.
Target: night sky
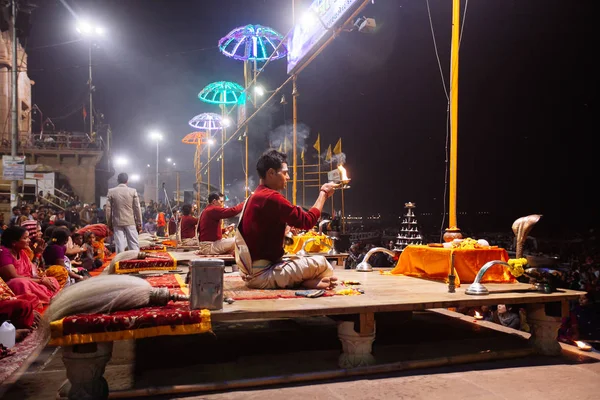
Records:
x=528, y=101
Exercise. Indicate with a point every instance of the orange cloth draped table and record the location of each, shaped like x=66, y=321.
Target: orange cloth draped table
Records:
x=434, y=263
x=318, y=246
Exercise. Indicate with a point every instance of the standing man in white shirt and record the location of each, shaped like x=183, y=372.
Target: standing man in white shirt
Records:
x=124, y=215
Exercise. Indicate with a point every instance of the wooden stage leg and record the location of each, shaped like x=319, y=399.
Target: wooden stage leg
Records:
x=85, y=366
x=544, y=330
x=357, y=347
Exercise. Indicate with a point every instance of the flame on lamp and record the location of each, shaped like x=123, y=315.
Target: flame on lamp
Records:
x=477, y=315
x=583, y=345
x=343, y=174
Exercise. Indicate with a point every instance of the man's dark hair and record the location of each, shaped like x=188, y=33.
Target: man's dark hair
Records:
x=186, y=209
x=122, y=178
x=16, y=208
x=270, y=159
x=214, y=196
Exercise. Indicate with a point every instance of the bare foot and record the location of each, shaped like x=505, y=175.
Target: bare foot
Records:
x=324, y=283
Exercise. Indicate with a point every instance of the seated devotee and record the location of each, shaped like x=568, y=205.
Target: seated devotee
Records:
x=259, y=240
x=150, y=226
x=19, y=310
x=210, y=230
x=17, y=270
x=56, y=259
x=89, y=258
x=188, y=223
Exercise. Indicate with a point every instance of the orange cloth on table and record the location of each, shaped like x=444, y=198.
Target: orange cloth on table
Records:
x=434, y=263
x=59, y=273
x=318, y=246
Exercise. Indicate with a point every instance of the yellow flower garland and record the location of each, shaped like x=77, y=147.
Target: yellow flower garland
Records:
x=516, y=266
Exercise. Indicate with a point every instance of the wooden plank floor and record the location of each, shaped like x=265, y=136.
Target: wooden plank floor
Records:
x=385, y=293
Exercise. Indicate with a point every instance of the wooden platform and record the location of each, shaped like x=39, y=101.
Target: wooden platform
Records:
x=386, y=293
x=85, y=364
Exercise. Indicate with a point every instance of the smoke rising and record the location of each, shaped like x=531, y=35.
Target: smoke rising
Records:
x=283, y=134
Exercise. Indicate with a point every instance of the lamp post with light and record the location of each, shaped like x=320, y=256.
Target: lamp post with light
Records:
x=91, y=31
x=156, y=136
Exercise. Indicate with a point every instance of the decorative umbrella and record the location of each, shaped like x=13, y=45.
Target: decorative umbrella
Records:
x=207, y=122
x=252, y=43
x=199, y=139
x=221, y=92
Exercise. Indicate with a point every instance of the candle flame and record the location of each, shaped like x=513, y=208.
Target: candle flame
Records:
x=343, y=174
x=477, y=315
x=583, y=345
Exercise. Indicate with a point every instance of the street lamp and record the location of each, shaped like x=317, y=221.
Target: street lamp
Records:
x=90, y=31
x=121, y=161
x=156, y=136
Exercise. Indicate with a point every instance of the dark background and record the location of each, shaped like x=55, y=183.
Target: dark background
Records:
x=527, y=100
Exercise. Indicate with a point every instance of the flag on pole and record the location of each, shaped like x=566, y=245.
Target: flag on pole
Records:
x=328, y=156
x=317, y=144
x=285, y=145
x=280, y=149
x=338, y=147
x=302, y=155
x=84, y=113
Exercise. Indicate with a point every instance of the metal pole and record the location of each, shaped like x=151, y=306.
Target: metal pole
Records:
x=246, y=129
x=294, y=123
x=303, y=187
x=332, y=210
x=177, y=190
x=208, y=167
x=91, y=88
x=15, y=98
x=157, y=140
x=454, y=111
x=343, y=213
x=223, y=136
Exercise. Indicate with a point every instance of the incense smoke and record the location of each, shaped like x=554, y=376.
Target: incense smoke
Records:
x=283, y=136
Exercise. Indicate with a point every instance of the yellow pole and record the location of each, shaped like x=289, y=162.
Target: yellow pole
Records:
x=303, y=187
x=223, y=137
x=177, y=175
x=454, y=111
x=331, y=168
x=208, y=167
x=343, y=213
x=246, y=126
x=294, y=139
x=294, y=124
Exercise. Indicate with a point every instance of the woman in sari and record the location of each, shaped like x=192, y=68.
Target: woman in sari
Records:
x=17, y=270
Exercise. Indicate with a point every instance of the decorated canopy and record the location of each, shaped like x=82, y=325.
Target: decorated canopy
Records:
x=252, y=43
x=221, y=92
x=207, y=122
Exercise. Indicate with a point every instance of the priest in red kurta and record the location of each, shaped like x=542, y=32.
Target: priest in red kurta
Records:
x=210, y=227
x=259, y=242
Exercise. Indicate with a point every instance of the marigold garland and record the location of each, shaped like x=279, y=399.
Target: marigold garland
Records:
x=516, y=266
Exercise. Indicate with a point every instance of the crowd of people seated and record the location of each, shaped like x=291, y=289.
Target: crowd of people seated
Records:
x=43, y=250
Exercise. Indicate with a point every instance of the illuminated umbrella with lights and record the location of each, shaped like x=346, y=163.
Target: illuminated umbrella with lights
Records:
x=200, y=140
x=222, y=93
x=252, y=44
x=209, y=123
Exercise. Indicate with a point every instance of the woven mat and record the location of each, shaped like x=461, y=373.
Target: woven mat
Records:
x=21, y=352
x=235, y=288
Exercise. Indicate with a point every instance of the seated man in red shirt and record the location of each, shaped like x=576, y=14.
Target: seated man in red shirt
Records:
x=210, y=231
x=188, y=223
x=259, y=240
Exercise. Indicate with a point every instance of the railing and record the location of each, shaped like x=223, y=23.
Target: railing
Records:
x=57, y=141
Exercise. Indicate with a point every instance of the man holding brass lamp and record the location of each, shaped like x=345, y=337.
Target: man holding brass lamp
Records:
x=259, y=238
